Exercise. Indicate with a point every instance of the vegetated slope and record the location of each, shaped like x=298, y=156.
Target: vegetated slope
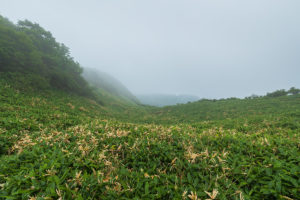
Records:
x=31, y=58
x=32, y=61
x=165, y=99
x=112, y=87
x=61, y=146
x=233, y=108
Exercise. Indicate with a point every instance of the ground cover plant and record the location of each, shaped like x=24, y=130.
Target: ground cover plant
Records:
x=65, y=147
x=61, y=138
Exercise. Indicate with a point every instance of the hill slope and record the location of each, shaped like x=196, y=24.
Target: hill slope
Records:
x=56, y=145
x=207, y=110
x=30, y=56
x=31, y=59
x=56, y=142
x=109, y=84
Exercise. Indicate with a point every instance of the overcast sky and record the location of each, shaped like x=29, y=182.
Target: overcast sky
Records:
x=209, y=48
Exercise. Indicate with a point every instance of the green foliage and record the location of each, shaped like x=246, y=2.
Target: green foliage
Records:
x=227, y=109
x=277, y=93
x=28, y=49
x=54, y=145
x=294, y=91
x=65, y=145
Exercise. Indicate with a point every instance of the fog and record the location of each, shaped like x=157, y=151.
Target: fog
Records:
x=208, y=48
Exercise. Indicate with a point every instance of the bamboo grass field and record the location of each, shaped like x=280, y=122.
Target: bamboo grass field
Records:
x=62, y=137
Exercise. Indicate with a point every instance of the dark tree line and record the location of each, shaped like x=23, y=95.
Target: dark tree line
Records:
x=278, y=93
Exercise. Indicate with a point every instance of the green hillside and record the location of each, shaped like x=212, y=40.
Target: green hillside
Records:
x=32, y=59
x=65, y=146
x=62, y=138
x=233, y=108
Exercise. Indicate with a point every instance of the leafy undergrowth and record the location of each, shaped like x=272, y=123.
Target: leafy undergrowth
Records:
x=62, y=147
x=107, y=160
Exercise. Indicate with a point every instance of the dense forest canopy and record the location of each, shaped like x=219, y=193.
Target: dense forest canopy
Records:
x=26, y=49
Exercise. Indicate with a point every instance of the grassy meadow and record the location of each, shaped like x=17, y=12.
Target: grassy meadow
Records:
x=66, y=137
x=58, y=146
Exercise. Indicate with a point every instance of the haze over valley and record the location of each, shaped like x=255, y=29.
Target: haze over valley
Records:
x=208, y=49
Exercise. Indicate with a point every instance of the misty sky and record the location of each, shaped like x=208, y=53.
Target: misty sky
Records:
x=209, y=48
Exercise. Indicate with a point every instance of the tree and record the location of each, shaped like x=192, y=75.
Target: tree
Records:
x=253, y=96
x=277, y=93
x=294, y=91
x=29, y=50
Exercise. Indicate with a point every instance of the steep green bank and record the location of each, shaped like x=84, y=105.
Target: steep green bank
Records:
x=30, y=53
x=32, y=60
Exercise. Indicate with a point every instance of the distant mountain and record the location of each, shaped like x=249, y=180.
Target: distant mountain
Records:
x=166, y=99
x=108, y=84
